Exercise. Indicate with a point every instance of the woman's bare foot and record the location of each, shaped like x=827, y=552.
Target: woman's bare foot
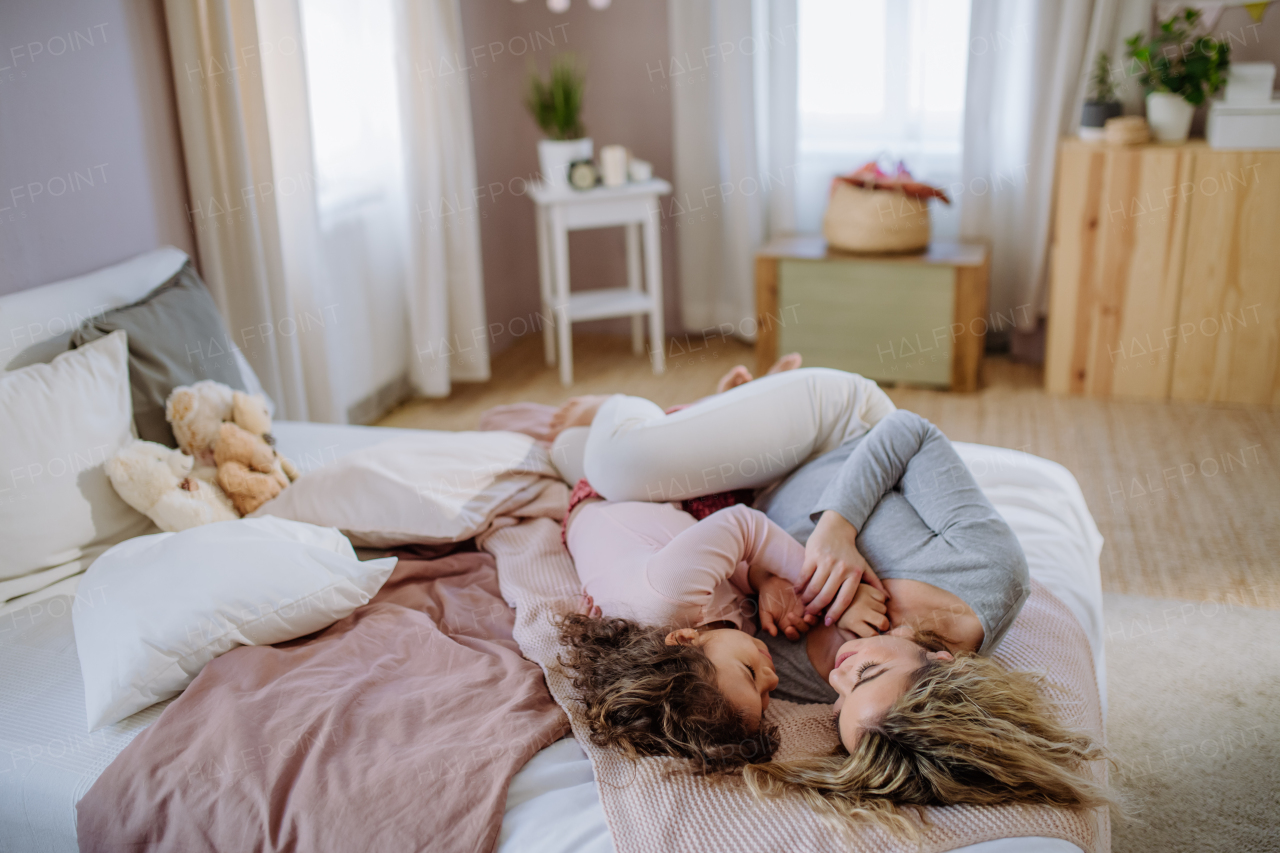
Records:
x=787, y=362
x=735, y=377
x=577, y=411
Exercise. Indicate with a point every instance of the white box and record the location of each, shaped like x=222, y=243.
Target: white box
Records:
x=1250, y=82
x=1233, y=127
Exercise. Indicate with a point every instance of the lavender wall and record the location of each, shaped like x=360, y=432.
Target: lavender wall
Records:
x=90, y=159
x=1250, y=40
x=623, y=105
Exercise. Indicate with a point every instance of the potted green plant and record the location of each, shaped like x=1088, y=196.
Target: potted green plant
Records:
x=556, y=105
x=1101, y=103
x=1180, y=71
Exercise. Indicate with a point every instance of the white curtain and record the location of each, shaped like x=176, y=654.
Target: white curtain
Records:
x=732, y=77
x=314, y=231
x=1027, y=68
x=446, y=282
x=226, y=141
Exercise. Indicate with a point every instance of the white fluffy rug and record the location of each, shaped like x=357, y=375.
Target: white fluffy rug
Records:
x=1194, y=722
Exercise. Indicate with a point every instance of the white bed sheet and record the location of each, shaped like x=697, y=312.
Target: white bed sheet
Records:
x=48, y=760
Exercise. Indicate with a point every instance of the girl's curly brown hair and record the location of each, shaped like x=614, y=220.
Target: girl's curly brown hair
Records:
x=647, y=698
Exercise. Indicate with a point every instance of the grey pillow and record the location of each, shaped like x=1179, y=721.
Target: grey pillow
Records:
x=176, y=337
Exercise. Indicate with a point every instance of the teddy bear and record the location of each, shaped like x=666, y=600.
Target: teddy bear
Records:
x=195, y=412
x=250, y=471
x=157, y=481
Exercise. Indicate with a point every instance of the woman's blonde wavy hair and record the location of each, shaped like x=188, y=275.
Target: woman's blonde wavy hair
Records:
x=967, y=731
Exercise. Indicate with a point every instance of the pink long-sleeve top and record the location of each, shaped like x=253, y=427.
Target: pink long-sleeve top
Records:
x=653, y=563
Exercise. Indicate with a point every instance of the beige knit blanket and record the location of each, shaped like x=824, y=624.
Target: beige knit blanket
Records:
x=648, y=810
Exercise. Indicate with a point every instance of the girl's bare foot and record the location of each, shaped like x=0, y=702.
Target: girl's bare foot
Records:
x=588, y=607
x=787, y=362
x=735, y=377
x=577, y=411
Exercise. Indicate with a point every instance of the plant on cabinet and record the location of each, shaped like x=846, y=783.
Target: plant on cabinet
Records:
x=1101, y=103
x=1180, y=71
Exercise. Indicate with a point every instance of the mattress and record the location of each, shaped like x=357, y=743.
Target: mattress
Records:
x=48, y=759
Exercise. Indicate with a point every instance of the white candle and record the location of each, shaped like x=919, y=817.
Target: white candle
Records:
x=613, y=165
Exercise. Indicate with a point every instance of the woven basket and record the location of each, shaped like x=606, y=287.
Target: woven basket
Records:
x=875, y=221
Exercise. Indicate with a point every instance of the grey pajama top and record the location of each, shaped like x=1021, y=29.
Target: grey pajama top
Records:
x=920, y=516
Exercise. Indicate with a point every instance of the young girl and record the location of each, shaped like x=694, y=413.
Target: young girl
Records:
x=673, y=670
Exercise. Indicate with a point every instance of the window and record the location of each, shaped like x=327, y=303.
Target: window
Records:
x=353, y=99
x=879, y=79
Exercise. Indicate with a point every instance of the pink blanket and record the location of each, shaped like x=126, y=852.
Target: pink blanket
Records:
x=397, y=728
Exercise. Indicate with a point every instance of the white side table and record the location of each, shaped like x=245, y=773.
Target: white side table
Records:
x=634, y=206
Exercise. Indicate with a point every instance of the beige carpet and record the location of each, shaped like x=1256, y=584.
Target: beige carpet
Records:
x=1194, y=724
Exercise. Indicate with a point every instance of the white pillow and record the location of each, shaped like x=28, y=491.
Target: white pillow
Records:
x=62, y=420
x=51, y=312
x=429, y=487
x=154, y=610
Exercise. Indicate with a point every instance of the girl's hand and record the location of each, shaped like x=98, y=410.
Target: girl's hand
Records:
x=866, y=617
x=780, y=608
x=833, y=568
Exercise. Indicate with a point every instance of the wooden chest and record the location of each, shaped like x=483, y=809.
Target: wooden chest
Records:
x=911, y=319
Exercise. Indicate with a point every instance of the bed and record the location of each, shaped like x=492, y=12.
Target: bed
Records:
x=48, y=760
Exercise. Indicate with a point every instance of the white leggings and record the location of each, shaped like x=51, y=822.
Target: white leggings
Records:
x=748, y=437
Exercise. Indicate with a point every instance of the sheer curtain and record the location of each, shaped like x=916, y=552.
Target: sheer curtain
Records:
x=351, y=86
x=446, y=282
x=222, y=112
x=1024, y=93
x=732, y=77
x=880, y=79
x=303, y=127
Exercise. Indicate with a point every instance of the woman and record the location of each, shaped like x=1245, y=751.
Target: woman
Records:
x=946, y=580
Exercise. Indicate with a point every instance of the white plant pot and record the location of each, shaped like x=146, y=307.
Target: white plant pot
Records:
x=1169, y=116
x=555, y=155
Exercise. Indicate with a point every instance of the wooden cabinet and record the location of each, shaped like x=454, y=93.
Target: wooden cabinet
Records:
x=1165, y=274
x=1228, y=343
x=912, y=319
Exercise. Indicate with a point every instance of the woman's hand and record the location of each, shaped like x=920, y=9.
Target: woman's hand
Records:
x=780, y=608
x=833, y=568
x=866, y=617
